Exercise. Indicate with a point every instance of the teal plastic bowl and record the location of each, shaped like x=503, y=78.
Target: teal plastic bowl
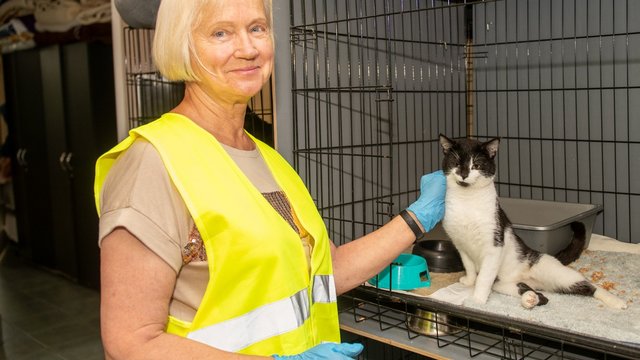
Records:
x=406, y=272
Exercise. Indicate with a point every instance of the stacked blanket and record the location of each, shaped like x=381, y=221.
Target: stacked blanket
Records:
x=57, y=15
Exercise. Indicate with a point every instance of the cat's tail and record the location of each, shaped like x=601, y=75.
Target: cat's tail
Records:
x=572, y=252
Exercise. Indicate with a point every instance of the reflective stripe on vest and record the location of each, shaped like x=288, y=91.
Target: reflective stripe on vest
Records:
x=324, y=289
x=262, y=323
x=268, y=320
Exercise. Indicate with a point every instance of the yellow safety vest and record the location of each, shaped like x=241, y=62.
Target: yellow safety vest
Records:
x=260, y=298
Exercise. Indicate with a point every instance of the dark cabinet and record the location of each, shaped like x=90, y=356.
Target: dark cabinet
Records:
x=63, y=120
x=25, y=115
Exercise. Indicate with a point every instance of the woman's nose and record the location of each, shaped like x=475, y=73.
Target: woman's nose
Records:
x=246, y=47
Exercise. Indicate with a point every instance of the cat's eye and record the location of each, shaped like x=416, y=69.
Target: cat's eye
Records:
x=474, y=167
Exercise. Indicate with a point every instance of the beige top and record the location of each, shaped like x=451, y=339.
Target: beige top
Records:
x=139, y=195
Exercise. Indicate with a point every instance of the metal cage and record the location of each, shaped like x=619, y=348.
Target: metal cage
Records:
x=375, y=82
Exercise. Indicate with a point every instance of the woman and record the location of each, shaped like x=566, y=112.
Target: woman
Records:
x=211, y=246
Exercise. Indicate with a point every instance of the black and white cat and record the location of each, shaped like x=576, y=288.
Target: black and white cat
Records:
x=493, y=256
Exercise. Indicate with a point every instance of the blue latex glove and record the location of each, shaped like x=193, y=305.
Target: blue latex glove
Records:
x=344, y=351
x=429, y=208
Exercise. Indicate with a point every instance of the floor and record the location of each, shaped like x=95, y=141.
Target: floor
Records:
x=45, y=316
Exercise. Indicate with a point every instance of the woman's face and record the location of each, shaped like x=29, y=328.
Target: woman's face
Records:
x=234, y=48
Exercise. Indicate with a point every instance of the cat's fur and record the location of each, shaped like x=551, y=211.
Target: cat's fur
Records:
x=494, y=257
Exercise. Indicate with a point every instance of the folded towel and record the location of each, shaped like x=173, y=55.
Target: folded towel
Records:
x=63, y=15
x=15, y=8
x=56, y=16
x=95, y=14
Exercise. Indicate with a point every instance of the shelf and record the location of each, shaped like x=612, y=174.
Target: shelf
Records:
x=398, y=338
x=384, y=317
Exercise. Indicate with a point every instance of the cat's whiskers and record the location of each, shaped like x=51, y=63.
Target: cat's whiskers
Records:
x=455, y=154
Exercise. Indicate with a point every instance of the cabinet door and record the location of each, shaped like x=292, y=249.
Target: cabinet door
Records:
x=23, y=88
x=62, y=216
x=91, y=130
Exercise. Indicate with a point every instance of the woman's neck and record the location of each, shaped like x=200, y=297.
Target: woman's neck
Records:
x=225, y=121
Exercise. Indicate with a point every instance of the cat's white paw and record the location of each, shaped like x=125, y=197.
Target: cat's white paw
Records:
x=479, y=299
x=529, y=299
x=480, y=295
x=617, y=303
x=468, y=280
x=609, y=299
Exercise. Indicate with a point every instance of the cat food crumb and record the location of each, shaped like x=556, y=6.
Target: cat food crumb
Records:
x=596, y=276
x=583, y=270
x=608, y=285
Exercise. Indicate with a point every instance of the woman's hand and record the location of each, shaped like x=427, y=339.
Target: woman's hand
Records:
x=429, y=208
x=328, y=351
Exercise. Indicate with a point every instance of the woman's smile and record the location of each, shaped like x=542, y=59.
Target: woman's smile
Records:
x=247, y=70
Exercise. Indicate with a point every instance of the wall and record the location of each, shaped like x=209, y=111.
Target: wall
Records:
x=558, y=81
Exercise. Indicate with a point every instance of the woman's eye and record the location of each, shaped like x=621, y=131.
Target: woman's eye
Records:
x=219, y=34
x=258, y=29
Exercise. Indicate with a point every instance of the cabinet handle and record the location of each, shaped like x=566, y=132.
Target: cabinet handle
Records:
x=67, y=161
x=19, y=157
x=61, y=161
x=22, y=160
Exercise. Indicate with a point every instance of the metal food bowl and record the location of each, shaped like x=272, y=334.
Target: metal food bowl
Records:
x=430, y=323
x=441, y=255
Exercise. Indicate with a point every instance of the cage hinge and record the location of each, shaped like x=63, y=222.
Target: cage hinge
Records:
x=305, y=35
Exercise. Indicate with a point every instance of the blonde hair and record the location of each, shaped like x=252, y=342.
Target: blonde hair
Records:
x=172, y=42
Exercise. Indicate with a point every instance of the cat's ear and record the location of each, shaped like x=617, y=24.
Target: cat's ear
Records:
x=446, y=144
x=491, y=147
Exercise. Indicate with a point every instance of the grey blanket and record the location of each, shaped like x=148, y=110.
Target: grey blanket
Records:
x=615, y=271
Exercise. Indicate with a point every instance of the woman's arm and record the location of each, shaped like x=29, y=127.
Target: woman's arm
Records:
x=361, y=259
x=358, y=261
x=136, y=287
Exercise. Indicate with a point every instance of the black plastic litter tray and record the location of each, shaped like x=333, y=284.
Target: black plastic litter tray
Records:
x=545, y=226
